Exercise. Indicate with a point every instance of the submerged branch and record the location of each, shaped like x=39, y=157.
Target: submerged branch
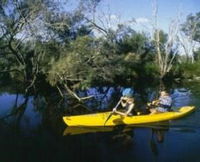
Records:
x=75, y=95
x=72, y=93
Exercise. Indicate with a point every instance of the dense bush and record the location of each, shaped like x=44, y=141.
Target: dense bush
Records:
x=190, y=70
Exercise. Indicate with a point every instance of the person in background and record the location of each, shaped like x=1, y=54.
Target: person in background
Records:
x=127, y=102
x=163, y=104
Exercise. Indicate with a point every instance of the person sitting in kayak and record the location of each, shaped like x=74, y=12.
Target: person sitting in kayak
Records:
x=127, y=102
x=163, y=104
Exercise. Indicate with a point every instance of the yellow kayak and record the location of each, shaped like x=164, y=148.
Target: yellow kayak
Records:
x=98, y=119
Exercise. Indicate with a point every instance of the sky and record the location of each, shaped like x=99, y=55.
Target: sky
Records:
x=110, y=13
x=141, y=10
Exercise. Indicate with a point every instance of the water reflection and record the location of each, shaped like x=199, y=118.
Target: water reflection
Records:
x=181, y=97
x=83, y=130
x=29, y=111
x=158, y=136
x=20, y=111
x=124, y=134
x=130, y=143
x=44, y=135
x=102, y=96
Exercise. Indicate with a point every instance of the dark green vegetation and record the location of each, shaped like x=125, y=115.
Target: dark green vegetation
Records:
x=49, y=52
x=44, y=45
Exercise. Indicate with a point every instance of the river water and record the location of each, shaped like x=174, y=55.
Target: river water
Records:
x=32, y=130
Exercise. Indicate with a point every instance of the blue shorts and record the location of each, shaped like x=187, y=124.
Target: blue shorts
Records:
x=161, y=109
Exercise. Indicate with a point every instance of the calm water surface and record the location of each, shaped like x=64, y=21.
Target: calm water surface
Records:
x=30, y=130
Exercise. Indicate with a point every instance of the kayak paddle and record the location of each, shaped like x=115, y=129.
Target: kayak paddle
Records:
x=112, y=112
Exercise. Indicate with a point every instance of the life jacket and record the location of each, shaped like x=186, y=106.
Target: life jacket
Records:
x=165, y=102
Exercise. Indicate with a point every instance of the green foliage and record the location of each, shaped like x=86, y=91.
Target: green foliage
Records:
x=73, y=66
x=192, y=26
x=45, y=42
x=136, y=42
x=151, y=70
x=197, y=55
x=163, y=39
x=190, y=70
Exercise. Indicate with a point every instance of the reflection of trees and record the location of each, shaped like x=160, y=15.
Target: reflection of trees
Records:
x=21, y=109
x=104, y=145
x=104, y=97
x=122, y=138
x=17, y=111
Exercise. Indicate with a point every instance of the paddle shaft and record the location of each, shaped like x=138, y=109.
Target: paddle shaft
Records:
x=112, y=112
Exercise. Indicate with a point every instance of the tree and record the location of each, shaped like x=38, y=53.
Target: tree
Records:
x=32, y=34
x=19, y=27
x=191, y=27
x=189, y=35
x=197, y=55
x=76, y=66
x=165, y=45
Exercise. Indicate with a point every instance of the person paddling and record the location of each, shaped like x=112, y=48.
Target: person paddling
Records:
x=163, y=104
x=127, y=102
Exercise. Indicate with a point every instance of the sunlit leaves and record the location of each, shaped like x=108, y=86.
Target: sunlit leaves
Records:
x=74, y=65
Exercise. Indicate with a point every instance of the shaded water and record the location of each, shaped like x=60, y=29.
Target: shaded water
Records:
x=32, y=129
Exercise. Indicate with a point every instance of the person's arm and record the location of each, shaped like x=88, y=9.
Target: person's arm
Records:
x=127, y=112
x=120, y=113
x=123, y=101
x=155, y=102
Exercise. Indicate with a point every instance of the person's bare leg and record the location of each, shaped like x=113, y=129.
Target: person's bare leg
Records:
x=153, y=111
